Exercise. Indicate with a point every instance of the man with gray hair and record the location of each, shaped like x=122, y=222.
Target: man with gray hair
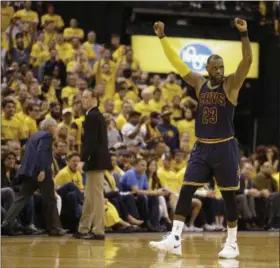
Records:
x=35, y=172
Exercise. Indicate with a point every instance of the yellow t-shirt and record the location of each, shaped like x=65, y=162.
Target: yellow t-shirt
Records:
x=21, y=116
x=97, y=68
x=6, y=17
x=180, y=176
x=27, y=16
x=89, y=51
x=18, y=106
x=110, y=84
x=111, y=215
x=134, y=65
x=39, y=54
x=120, y=121
x=276, y=176
x=58, y=21
x=51, y=94
x=49, y=37
x=176, y=167
x=31, y=126
x=156, y=106
x=73, y=33
x=69, y=92
x=168, y=178
x=66, y=175
x=143, y=108
x=189, y=127
x=118, y=53
x=12, y=129
x=171, y=90
x=77, y=130
x=65, y=51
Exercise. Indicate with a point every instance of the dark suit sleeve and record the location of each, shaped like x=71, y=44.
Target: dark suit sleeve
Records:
x=90, y=136
x=40, y=157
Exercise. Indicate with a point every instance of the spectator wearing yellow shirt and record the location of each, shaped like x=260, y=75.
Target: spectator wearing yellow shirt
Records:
x=152, y=133
x=11, y=127
x=119, y=98
x=144, y=107
x=50, y=32
x=108, y=75
x=156, y=83
x=48, y=89
x=177, y=107
x=77, y=131
x=51, y=16
x=187, y=125
x=133, y=92
x=26, y=14
x=7, y=13
x=69, y=91
x=92, y=48
x=70, y=173
x=128, y=61
x=40, y=52
x=97, y=68
x=123, y=116
x=33, y=113
x=79, y=65
x=171, y=88
x=22, y=96
x=179, y=162
x=69, y=183
x=67, y=116
x=116, y=47
x=64, y=49
x=73, y=31
x=156, y=102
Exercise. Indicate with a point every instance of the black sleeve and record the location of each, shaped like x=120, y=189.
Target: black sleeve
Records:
x=90, y=136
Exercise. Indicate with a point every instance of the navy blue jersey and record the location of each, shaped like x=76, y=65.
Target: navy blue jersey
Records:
x=214, y=119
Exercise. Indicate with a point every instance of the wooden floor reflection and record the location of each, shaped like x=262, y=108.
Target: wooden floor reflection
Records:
x=123, y=251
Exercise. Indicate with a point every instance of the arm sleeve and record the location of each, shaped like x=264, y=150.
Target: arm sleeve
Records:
x=174, y=58
x=42, y=147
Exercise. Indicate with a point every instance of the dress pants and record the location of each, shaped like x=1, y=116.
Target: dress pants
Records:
x=27, y=188
x=92, y=219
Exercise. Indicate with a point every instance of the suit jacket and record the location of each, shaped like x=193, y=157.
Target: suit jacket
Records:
x=95, y=152
x=38, y=155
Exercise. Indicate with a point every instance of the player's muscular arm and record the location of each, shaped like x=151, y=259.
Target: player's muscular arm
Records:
x=194, y=79
x=235, y=81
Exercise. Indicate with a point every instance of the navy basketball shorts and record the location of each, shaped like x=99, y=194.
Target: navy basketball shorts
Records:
x=220, y=160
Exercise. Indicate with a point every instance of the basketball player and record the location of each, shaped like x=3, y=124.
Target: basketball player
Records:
x=216, y=150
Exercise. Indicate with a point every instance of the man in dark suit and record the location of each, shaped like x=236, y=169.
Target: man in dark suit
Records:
x=96, y=158
x=35, y=172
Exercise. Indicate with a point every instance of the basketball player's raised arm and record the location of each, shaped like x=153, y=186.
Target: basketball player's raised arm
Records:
x=194, y=79
x=235, y=80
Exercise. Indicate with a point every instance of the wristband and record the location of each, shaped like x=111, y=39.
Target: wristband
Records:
x=244, y=34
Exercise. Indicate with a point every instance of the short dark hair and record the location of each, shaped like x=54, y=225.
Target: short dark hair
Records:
x=70, y=156
x=30, y=106
x=8, y=100
x=213, y=57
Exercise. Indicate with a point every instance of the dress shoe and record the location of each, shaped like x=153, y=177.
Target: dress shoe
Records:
x=83, y=236
x=57, y=232
x=97, y=237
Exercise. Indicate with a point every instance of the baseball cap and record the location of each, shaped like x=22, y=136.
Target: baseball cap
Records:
x=67, y=110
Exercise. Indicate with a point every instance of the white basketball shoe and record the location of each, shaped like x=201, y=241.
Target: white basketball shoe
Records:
x=170, y=243
x=230, y=251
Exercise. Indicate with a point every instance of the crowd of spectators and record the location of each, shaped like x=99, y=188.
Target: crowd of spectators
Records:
x=46, y=65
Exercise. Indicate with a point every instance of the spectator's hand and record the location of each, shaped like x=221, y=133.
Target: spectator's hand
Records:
x=265, y=193
x=41, y=176
x=80, y=166
x=240, y=24
x=159, y=28
x=211, y=194
x=253, y=192
x=162, y=192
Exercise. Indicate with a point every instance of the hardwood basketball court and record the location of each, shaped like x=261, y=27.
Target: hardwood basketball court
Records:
x=260, y=249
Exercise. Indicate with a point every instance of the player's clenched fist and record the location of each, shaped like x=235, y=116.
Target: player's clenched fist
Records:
x=159, y=28
x=240, y=24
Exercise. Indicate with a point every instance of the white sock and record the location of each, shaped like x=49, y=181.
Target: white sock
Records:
x=177, y=228
x=232, y=234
